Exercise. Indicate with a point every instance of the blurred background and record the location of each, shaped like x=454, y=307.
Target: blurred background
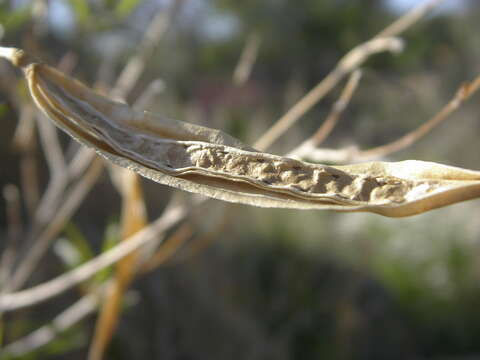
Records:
x=261, y=283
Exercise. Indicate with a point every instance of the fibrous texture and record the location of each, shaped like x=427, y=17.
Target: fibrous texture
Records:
x=209, y=162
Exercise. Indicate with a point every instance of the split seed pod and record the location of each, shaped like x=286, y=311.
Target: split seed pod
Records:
x=209, y=162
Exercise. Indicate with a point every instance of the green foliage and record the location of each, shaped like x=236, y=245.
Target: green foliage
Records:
x=111, y=237
x=79, y=242
x=125, y=7
x=82, y=11
x=12, y=20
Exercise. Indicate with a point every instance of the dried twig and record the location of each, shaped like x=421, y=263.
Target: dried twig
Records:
x=14, y=230
x=409, y=19
x=52, y=148
x=247, y=58
x=53, y=287
x=57, y=170
x=462, y=95
x=325, y=129
x=66, y=281
x=134, y=68
x=80, y=162
x=199, y=243
x=72, y=201
x=134, y=218
x=155, y=88
x=45, y=211
x=168, y=248
x=351, y=61
x=25, y=141
x=62, y=322
x=125, y=83
x=353, y=154
x=319, y=91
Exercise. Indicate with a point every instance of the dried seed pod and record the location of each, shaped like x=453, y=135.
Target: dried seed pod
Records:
x=209, y=162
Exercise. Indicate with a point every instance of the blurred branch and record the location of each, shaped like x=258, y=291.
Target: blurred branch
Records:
x=25, y=141
x=134, y=218
x=168, y=248
x=51, y=198
x=40, y=17
x=247, y=58
x=201, y=242
x=332, y=119
x=353, y=154
x=51, y=146
x=66, y=281
x=61, y=216
x=80, y=162
x=57, y=170
x=352, y=60
x=462, y=95
x=14, y=230
x=154, y=33
x=155, y=88
x=409, y=19
x=62, y=322
x=83, y=157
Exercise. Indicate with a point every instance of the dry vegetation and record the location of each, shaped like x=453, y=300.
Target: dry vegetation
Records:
x=193, y=158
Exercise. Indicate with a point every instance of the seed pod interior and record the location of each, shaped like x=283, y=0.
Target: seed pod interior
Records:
x=212, y=163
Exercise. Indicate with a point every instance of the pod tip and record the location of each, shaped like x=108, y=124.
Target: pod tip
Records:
x=17, y=57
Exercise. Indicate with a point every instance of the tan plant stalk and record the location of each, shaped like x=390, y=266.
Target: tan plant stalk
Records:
x=353, y=154
x=68, y=280
x=135, y=66
x=169, y=247
x=71, y=316
x=332, y=119
x=11, y=195
x=410, y=18
x=247, y=58
x=25, y=142
x=352, y=60
x=74, y=199
x=134, y=218
x=83, y=158
x=463, y=94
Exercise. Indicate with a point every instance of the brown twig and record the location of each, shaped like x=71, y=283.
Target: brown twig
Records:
x=409, y=19
x=125, y=83
x=66, y=281
x=134, y=218
x=338, y=108
x=62, y=322
x=145, y=100
x=136, y=65
x=57, y=170
x=51, y=198
x=248, y=56
x=14, y=230
x=350, y=62
x=353, y=154
x=202, y=241
x=80, y=162
x=462, y=95
x=332, y=119
x=25, y=141
x=318, y=92
x=168, y=248
x=72, y=201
